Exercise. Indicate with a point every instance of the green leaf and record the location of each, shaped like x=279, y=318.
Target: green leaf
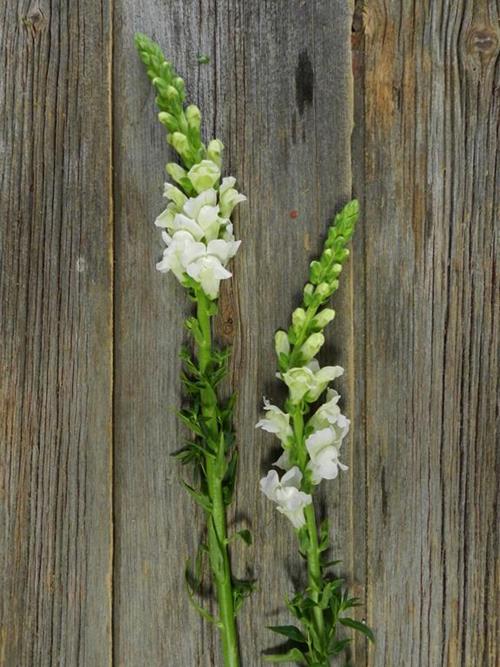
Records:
x=292, y=656
x=337, y=646
x=242, y=588
x=357, y=625
x=290, y=631
x=245, y=535
x=202, y=500
x=201, y=610
x=230, y=479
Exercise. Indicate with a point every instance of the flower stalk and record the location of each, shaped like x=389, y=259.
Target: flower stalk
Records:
x=311, y=443
x=199, y=238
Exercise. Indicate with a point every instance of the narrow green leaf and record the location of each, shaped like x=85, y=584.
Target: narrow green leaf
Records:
x=201, y=610
x=357, y=625
x=290, y=631
x=245, y=535
x=200, y=498
x=292, y=656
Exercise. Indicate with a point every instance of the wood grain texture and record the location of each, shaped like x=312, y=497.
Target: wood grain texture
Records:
x=426, y=156
x=277, y=91
x=55, y=356
x=417, y=325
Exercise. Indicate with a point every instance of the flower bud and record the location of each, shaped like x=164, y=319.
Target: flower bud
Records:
x=281, y=343
x=315, y=272
x=312, y=346
x=179, y=141
x=175, y=195
x=171, y=94
x=228, y=200
x=176, y=171
x=193, y=116
x=298, y=318
x=180, y=86
x=168, y=120
x=308, y=292
x=322, y=291
x=214, y=151
x=323, y=318
x=204, y=175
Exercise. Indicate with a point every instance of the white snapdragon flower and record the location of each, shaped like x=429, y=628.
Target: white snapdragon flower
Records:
x=276, y=421
x=228, y=196
x=202, y=216
x=204, y=263
x=287, y=495
x=322, y=447
x=208, y=267
x=309, y=381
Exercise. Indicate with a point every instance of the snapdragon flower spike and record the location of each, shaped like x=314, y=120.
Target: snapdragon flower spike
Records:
x=311, y=452
x=200, y=243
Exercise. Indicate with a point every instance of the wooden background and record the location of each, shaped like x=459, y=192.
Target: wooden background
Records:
x=396, y=100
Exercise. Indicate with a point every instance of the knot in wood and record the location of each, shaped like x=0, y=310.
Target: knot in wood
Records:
x=482, y=42
x=35, y=20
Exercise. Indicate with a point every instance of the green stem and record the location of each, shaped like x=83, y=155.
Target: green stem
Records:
x=313, y=553
x=314, y=567
x=217, y=528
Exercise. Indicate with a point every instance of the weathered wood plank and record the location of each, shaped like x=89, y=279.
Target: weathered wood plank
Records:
x=55, y=356
x=426, y=148
x=277, y=91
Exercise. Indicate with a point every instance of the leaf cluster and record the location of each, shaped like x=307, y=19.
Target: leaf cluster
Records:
x=306, y=646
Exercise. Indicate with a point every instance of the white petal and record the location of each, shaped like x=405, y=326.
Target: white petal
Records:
x=292, y=478
x=269, y=484
x=227, y=182
x=193, y=205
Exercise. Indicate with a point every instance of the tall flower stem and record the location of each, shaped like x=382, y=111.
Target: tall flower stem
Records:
x=313, y=552
x=216, y=518
x=314, y=567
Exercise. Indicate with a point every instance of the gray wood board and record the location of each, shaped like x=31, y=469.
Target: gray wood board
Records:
x=278, y=92
x=95, y=526
x=426, y=168
x=56, y=332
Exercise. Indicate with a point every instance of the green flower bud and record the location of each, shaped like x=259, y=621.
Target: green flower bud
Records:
x=176, y=171
x=312, y=346
x=171, y=94
x=315, y=272
x=298, y=318
x=214, y=151
x=204, y=175
x=323, y=291
x=180, y=86
x=308, y=292
x=168, y=120
x=323, y=318
x=175, y=195
x=281, y=343
x=180, y=142
x=193, y=115
x=228, y=200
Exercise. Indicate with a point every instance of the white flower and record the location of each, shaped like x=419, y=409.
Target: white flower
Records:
x=324, y=463
x=204, y=263
x=276, y=421
x=207, y=266
x=328, y=413
x=198, y=215
x=229, y=197
x=287, y=495
x=179, y=250
x=308, y=382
